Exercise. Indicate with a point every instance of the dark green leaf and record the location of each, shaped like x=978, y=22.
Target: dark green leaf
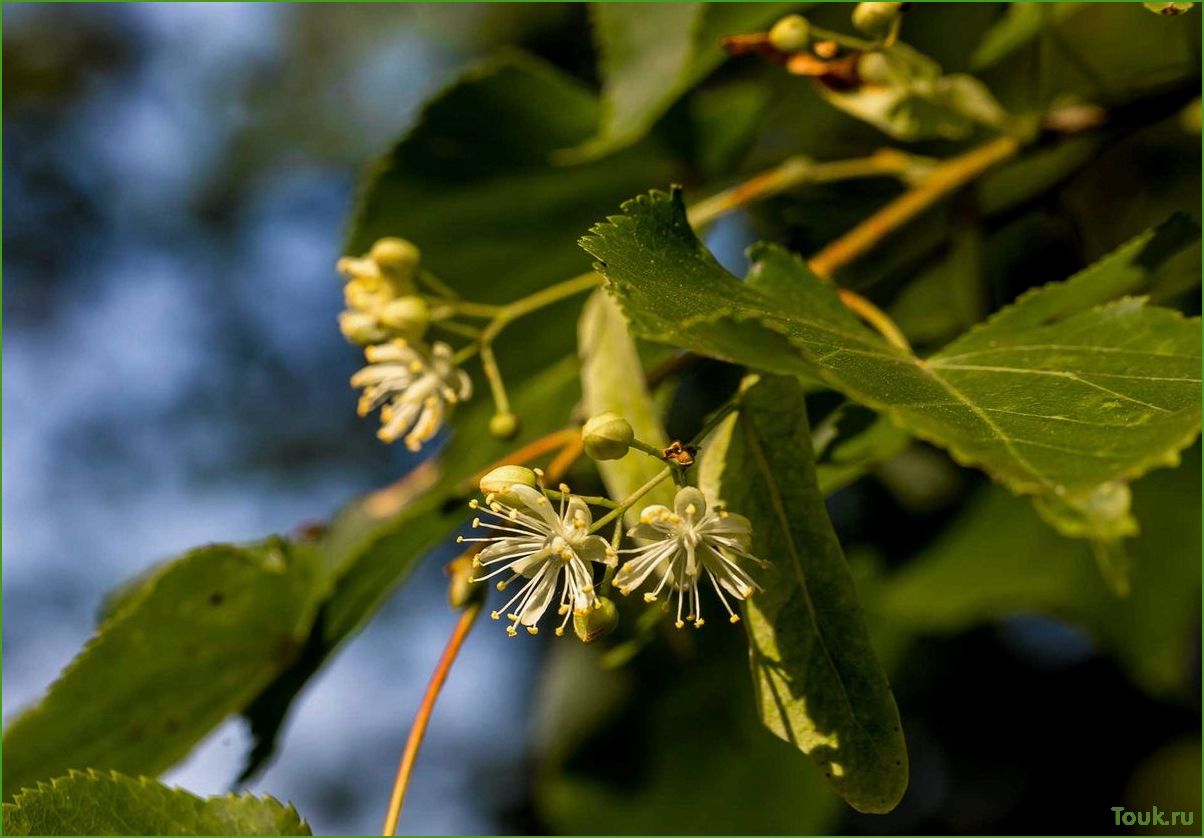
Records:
x=691, y=754
x=819, y=685
x=999, y=559
x=92, y=803
x=194, y=644
x=1058, y=393
x=652, y=53
x=1023, y=22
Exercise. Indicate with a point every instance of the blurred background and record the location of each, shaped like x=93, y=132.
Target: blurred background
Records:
x=177, y=180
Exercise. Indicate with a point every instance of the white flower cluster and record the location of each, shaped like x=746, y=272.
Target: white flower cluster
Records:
x=546, y=544
x=414, y=383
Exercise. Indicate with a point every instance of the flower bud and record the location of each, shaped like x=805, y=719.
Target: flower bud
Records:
x=790, y=34
x=1168, y=9
x=607, y=436
x=596, y=622
x=875, y=18
x=408, y=315
x=360, y=328
x=462, y=591
x=398, y=261
x=499, y=481
x=875, y=68
x=503, y=425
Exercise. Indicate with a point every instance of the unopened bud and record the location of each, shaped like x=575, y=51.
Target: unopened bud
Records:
x=596, y=622
x=360, y=328
x=398, y=260
x=875, y=18
x=607, y=436
x=499, y=481
x=408, y=315
x=462, y=591
x=503, y=425
x=790, y=34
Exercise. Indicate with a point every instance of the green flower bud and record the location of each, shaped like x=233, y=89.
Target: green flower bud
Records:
x=408, y=315
x=875, y=68
x=461, y=590
x=398, y=261
x=499, y=481
x=503, y=425
x=790, y=34
x=361, y=328
x=607, y=436
x=1168, y=9
x=596, y=622
x=875, y=18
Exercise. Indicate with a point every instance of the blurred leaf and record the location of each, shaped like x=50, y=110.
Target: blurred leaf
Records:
x=999, y=559
x=1058, y=393
x=376, y=541
x=1023, y=22
x=904, y=94
x=193, y=645
x=652, y=53
x=700, y=761
x=92, y=803
x=612, y=379
x=819, y=685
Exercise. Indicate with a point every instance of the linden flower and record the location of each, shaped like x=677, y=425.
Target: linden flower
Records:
x=679, y=544
x=413, y=385
x=548, y=547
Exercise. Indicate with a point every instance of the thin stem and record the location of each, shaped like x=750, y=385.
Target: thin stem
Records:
x=944, y=178
x=797, y=171
x=457, y=328
x=650, y=450
x=564, y=460
x=437, y=285
x=494, y=375
x=405, y=768
x=545, y=297
x=532, y=450
x=874, y=316
x=616, y=539
x=630, y=499
x=485, y=311
x=592, y=500
x=850, y=41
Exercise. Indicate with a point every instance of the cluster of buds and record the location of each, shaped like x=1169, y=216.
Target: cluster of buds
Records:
x=380, y=294
x=414, y=384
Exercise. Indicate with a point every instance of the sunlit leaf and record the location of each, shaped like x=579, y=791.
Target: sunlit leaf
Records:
x=95, y=803
x=194, y=644
x=1073, y=386
x=819, y=685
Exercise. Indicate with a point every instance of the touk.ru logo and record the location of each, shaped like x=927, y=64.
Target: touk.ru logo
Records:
x=1152, y=817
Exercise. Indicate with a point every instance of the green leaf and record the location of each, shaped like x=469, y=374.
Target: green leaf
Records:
x=92, y=803
x=1058, y=393
x=652, y=53
x=819, y=685
x=1022, y=23
x=847, y=456
x=612, y=379
x=905, y=95
x=999, y=559
x=196, y=643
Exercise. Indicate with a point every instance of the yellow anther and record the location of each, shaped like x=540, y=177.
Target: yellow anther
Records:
x=494, y=615
x=512, y=631
x=476, y=522
x=698, y=623
x=649, y=597
x=475, y=504
x=532, y=629
x=560, y=631
x=501, y=586
x=679, y=623
x=735, y=618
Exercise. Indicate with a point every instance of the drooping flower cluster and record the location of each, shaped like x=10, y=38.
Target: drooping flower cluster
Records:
x=414, y=383
x=545, y=544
